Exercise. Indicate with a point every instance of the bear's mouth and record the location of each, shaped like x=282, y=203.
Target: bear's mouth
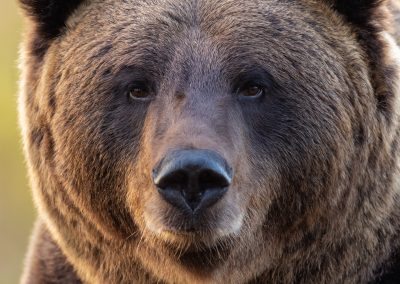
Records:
x=200, y=257
x=206, y=227
x=191, y=225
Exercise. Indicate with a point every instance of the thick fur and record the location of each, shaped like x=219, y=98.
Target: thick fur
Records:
x=48, y=264
x=316, y=190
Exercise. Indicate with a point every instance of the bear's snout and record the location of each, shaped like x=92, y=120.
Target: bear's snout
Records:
x=192, y=180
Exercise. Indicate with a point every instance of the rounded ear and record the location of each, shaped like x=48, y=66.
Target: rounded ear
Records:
x=49, y=15
x=47, y=20
x=372, y=23
x=362, y=13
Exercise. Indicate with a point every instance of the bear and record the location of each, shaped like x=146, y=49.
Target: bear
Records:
x=204, y=141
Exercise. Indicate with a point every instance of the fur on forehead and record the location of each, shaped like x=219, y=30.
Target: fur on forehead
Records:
x=49, y=18
x=51, y=15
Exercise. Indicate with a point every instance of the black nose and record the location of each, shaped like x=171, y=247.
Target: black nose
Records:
x=192, y=179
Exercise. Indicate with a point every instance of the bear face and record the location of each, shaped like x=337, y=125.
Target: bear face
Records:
x=285, y=98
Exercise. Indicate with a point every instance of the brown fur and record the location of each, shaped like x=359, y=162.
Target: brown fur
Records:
x=315, y=196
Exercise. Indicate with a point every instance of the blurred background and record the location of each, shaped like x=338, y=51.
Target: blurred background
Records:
x=16, y=209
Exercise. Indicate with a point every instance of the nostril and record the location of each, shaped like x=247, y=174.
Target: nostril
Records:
x=211, y=179
x=176, y=180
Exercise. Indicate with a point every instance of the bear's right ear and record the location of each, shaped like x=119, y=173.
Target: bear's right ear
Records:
x=49, y=16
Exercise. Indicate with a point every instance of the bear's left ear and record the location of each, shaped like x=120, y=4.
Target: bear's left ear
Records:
x=372, y=21
x=49, y=16
x=369, y=15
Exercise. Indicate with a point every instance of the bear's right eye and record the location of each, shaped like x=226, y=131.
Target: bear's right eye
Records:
x=140, y=93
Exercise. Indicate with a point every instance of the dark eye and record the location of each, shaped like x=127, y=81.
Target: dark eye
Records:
x=251, y=91
x=139, y=93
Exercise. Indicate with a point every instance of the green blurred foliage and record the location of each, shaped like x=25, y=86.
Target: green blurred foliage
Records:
x=16, y=209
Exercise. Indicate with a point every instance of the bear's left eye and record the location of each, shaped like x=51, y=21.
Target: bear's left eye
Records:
x=251, y=91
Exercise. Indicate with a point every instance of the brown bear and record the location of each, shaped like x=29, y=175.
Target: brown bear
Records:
x=208, y=141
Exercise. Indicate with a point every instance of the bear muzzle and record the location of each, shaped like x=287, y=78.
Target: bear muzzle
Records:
x=192, y=180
